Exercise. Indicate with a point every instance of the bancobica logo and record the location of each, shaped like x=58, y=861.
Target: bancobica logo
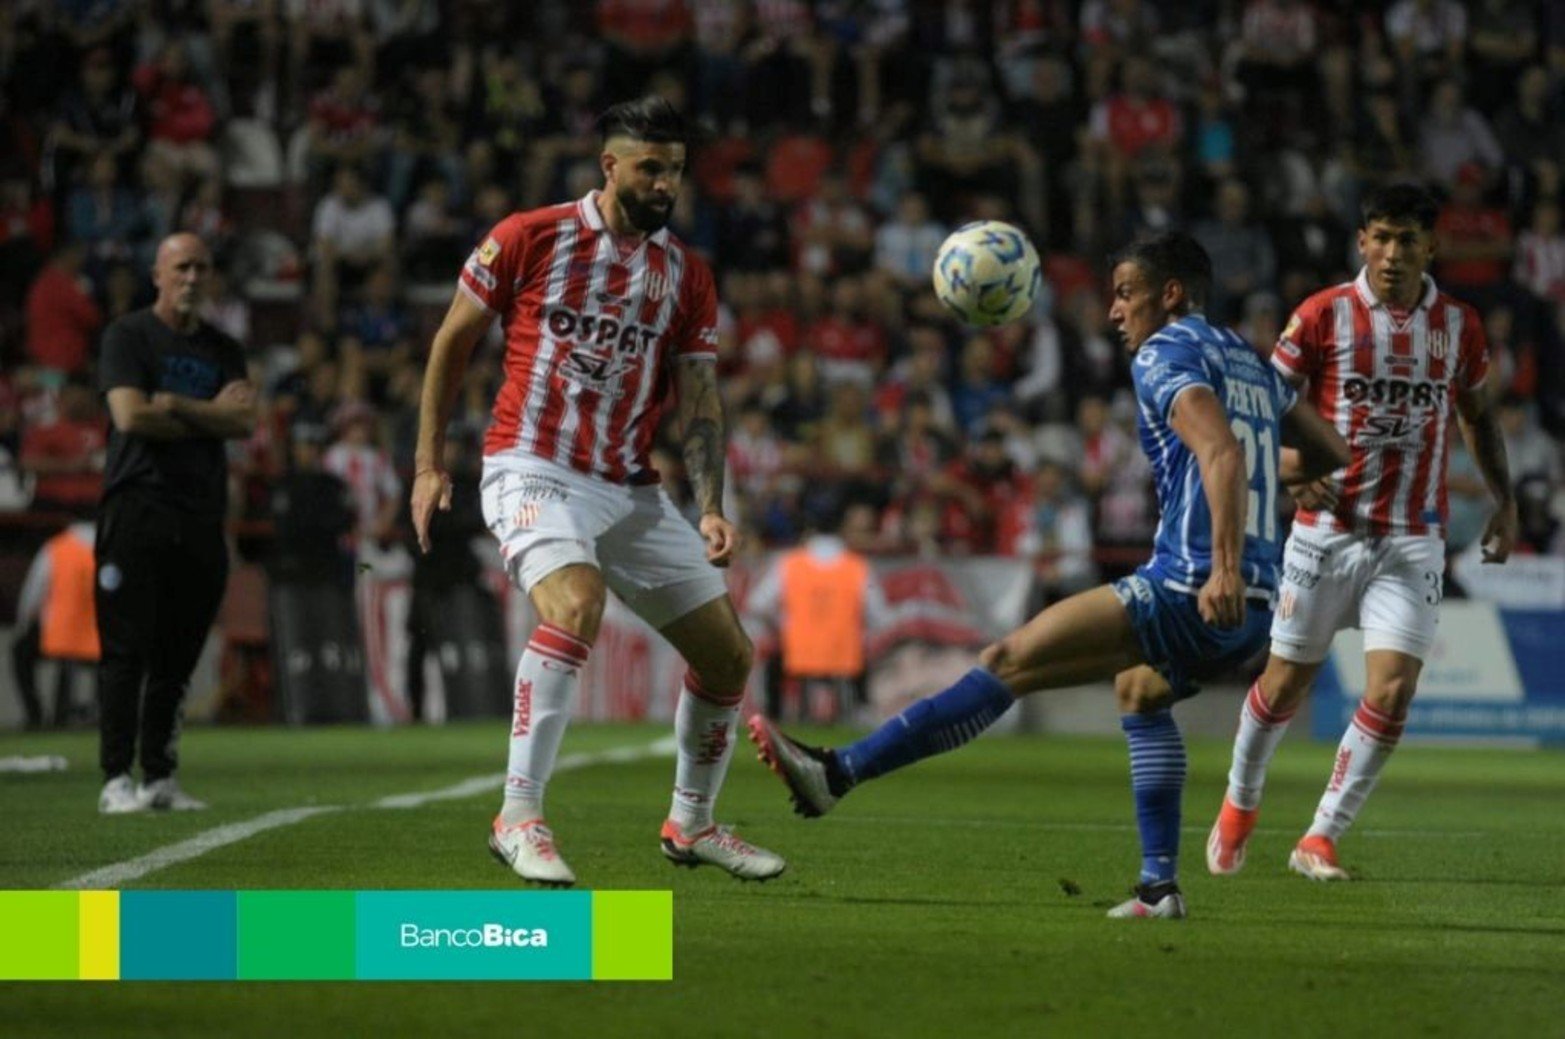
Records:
x=486, y=936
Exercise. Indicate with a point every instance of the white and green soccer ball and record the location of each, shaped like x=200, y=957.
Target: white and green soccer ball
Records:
x=987, y=273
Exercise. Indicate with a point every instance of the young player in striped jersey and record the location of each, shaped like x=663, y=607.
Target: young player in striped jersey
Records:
x=1212, y=419
x=603, y=310
x=1385, y=357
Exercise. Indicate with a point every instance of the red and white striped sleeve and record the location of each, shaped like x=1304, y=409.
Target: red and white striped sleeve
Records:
x=489, y=274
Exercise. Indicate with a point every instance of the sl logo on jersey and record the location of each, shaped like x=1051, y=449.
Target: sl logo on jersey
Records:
x=657, y=286
x=1390, y=429
x=488, y=251
x=599, y=374
x=1439, y=341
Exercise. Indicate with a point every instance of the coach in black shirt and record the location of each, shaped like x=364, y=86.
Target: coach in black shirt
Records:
x=176, y=390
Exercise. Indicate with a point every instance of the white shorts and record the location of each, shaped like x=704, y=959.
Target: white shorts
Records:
x=547, y=516
x=1388, y=586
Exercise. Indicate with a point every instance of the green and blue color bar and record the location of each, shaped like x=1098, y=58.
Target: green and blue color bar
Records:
x=336, y=935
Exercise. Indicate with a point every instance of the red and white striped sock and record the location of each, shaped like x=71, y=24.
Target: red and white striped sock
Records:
x=1260, y=731
x=546, y=681
x=1363, y=752
x=704, y=726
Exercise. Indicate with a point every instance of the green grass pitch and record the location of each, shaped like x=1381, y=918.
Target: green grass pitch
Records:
x=964, y=896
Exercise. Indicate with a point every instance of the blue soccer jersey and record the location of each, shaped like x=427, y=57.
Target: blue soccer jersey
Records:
x=1183, y=355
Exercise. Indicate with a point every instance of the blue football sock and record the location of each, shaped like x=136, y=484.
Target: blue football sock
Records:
x=936, y=724
x=1157, y=777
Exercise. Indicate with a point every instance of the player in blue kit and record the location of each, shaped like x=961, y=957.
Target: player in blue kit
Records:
x=1214, y=417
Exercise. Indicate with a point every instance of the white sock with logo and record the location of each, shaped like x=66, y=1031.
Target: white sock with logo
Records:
x=1260, y=731
x=1363, y=752
x=704, y=727
x=546, y=681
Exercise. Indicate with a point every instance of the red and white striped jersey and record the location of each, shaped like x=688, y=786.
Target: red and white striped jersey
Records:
x=1389, y=383
x=592, y=321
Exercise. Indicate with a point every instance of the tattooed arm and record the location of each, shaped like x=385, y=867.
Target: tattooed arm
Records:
x=1475, y=416
x=701, y=418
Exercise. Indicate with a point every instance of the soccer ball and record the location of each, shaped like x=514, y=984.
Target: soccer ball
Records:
x=987, y=273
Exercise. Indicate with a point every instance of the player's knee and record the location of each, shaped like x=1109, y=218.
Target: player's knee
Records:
x=728, y=669
x=576, y=605
x=1284, y=682
x=1141, y=690
x=1000, y=658
x=1391, y=694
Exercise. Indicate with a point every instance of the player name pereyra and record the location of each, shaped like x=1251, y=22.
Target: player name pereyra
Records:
x=487, y=936
x=1249, y=400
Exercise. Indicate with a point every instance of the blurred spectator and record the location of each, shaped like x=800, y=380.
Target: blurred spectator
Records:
x=1453, y=135
x=181, y=118
x=26, y=238
x=358, y=460
x=352, y=235
x=63, y=319
x=1133, y=123
x=978, y=385
x=1502, y=40
x=426, y=135
x=344, y=125
x=1474, y=240
x=1531, y=453
x=720, y=28
x=1312, y=249
x=435, y=238
x=906, y=244
x=326, y=34
x=1428, y=35
x=1243, y=260
x=1275, y=57
x=1530, y=135
x=851, y=348
x=102, y=213
x=641, y=37
x=66, y=455
x=405, y=33
x=1383, y=148
x=98, y=116
x=246, y=35
x=987, y=499
x=966, y=150
x=314, y=513
x=1058, y=536
x=1540, y=253
x=377, y=333
x=832, y=232
x=752, y=229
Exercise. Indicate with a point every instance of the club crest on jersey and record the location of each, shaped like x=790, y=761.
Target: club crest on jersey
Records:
x=657, y=286
x=1439, y=342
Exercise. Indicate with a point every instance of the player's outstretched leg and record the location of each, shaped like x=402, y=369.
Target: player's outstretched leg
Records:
x=817, y=779
x=1084, y=638
x=1261, y=729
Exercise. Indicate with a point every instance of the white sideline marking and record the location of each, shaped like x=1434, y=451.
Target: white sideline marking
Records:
x=194, y=847
x=113, y=876
x=1044, y=827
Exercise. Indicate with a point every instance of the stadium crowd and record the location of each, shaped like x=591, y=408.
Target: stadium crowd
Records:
x=342, y=157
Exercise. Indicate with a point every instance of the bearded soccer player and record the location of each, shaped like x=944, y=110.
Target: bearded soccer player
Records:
x=1386, y=357
x=603, y=310
x=1212, y=416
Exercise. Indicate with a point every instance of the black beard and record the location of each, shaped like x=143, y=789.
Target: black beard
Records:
x=645, y=217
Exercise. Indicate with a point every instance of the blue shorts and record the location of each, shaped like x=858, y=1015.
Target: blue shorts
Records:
x=1177, y=643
